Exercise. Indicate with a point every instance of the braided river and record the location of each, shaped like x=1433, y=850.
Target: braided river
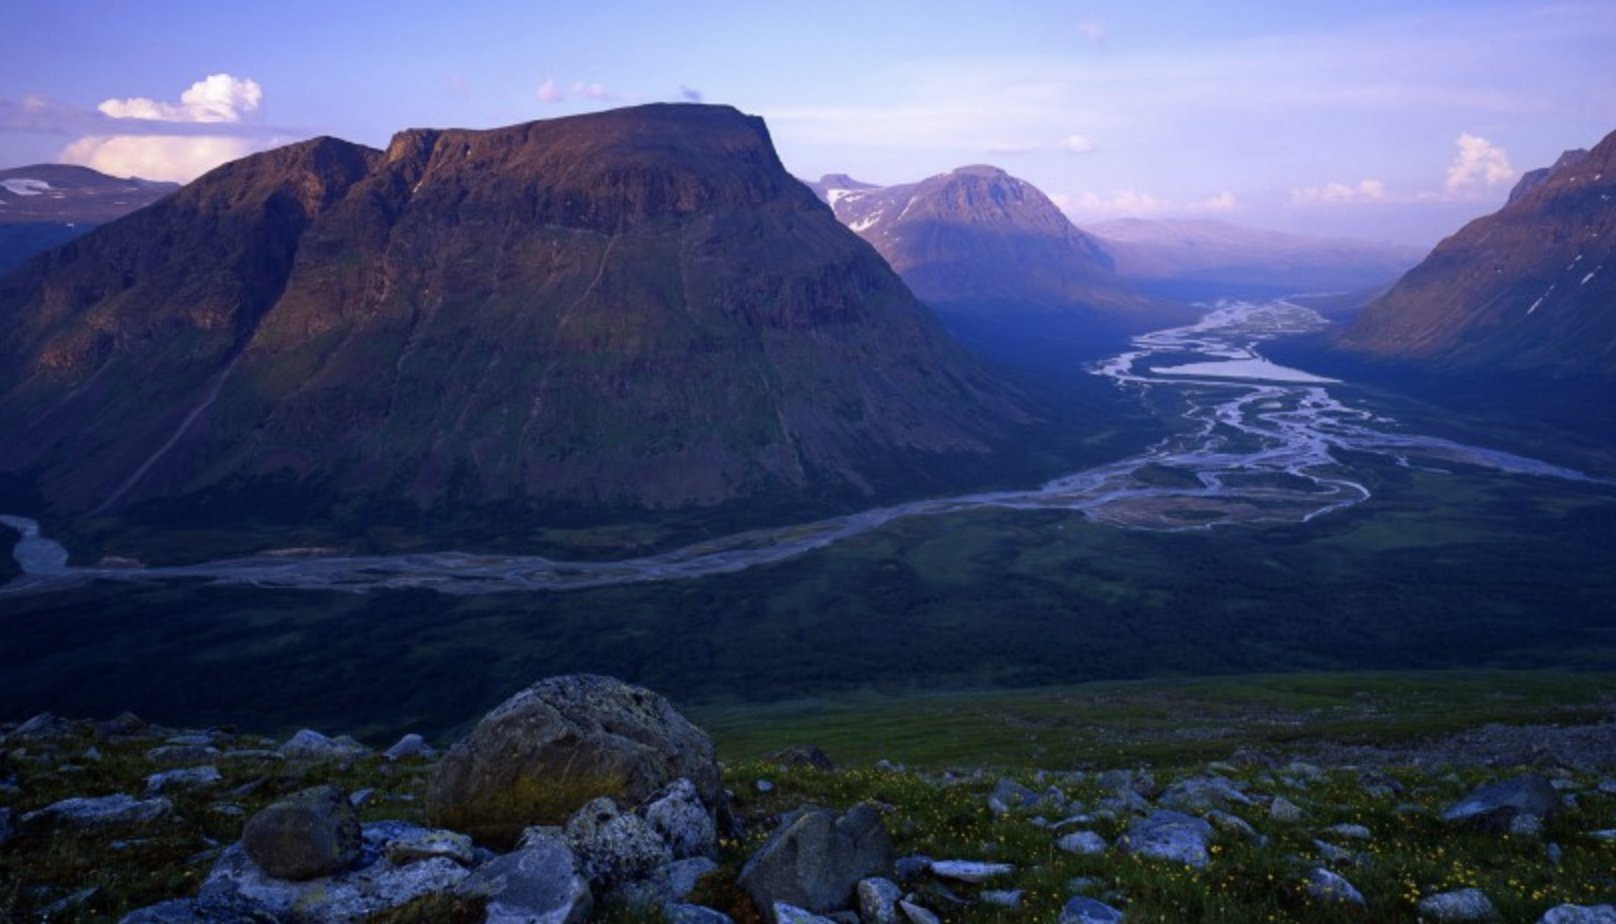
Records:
x=1258, y=443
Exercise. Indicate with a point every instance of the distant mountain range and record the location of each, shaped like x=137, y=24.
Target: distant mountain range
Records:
x=979, y=244
x=44, y=205
x=1199, y=258
x=1530, y=289
x=632, y=309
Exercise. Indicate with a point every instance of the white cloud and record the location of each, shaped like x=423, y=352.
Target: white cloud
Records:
x=1078, y=144
x=1340, y=193
x=592, y=91
x=1222, y=202
x=1479, y=163
x=215, y=98
x=1130, y=203
x=161, y=140
x=548, y=92
x=180, y=158
x=1092, y=30
x=690, y=94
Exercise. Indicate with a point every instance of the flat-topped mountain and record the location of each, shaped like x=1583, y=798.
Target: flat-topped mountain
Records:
x=979, y=243
x=1526, y=290
x=636, y=308
x=44, y=205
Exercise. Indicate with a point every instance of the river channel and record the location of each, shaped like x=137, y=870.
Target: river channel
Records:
x=1261, y=443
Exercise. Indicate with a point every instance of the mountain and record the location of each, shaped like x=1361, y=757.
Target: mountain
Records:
x=48, y=204
x=631, y=309
x=980, y=244
x=1203, y=258
x=1526, y=290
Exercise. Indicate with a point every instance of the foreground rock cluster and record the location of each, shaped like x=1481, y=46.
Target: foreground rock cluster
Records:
x=583, y=798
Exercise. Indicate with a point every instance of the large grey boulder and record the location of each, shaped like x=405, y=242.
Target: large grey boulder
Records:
x=1494, y=807
x=878, y=900
x=309, y=744
x=1203, y=794
x=1326, y=886
x=1171, y=836
x=543, y=753
x=307, y=834
x=539, y=883
x=816, y=860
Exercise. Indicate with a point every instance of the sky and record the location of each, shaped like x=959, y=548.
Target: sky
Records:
x=1394, y=121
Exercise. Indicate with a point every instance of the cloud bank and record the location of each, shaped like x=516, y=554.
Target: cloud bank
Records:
x=159, y=140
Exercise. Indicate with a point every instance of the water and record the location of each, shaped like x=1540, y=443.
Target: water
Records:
x=1262, y=444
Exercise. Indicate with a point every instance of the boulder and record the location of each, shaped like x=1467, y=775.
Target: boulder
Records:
x=787, y=913
x=1003, y=898
x=678, y=913
x=684, y=823
x=1285, y=811
x=1579, y=914
x=1083, y=843
x=613, y=846
x=973, y=871
x=666, y=885
x=539, y=882
x=549, y=749
x=103, y=811
x=1460, y=905
x=1494, y=807
x=1235, y=826
x=917, y=914
x=1203, y=794
x=187, y=778
x=1171, y=836
x=1081, y=910
x=816, y=860
x=1325, y=886
x=308, y=834
x=878, y=900
x=411, y=745
x=802, y=756
x=309, y=744
x=411, y=844
x=372, y=884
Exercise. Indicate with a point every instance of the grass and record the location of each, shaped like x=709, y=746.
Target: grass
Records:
x=949, y=752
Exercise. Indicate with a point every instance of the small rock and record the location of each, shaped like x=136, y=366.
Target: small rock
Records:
x=1285, y=811
x=411, y=745
x=1579, y=914
x=1235, y=826
x=678, y=913
x=1202, y=794
x=1083, y=843
x=613, y=846
x=973, y=871
x=1461, y=905
x=539, y=881
x=1493, y=807
x=1171, y=836
x=1003, y=898
x=801, y=756
x=786, y=913
x=910, y=868
x=426, y=843
x=1350, y=832
x=1330, y=853
x=1082, y=910
x=1082, y=885
x=104, y=811
x=1326, y=886
x=1554, y=853
x=311, y=745
x=308, y=834
x=182, y=754
x=878, y=900
x=677, y=814
x=764, y=786
x=187, y=778
x=361, y=796
x=915, y=914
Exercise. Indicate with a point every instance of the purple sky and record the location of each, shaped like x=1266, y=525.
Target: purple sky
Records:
x=1385, y=120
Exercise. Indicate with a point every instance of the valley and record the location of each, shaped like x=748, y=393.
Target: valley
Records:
x=1254, y=443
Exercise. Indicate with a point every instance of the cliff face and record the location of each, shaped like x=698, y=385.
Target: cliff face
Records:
x=635, y=307
x=1528, y=289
